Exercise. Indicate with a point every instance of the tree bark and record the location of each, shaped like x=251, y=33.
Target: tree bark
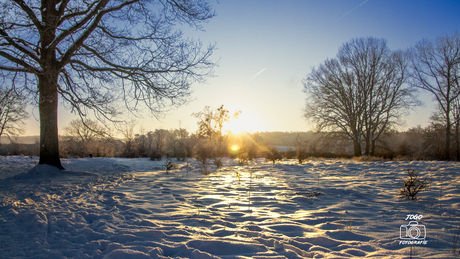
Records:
x=447, y=148
x=48, y=110
x=48, y=89
x=457, y=140
x=373, y=147
x=368, y=141
x=357, y=147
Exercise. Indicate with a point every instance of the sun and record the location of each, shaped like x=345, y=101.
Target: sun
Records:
x=235, y=148
x=236, y=126
x=245, y=121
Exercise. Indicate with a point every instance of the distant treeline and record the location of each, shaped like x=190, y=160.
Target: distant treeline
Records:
x=414, y=144
x=21, y=140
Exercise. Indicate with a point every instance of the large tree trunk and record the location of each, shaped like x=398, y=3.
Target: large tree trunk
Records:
x=48, y=109
x=368, y=142
x=357, y=147
x=373, y=147
x=447, y=147
x=48, y=89
x=457, y=140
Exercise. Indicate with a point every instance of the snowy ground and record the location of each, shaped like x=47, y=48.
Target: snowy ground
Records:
x=132, y=208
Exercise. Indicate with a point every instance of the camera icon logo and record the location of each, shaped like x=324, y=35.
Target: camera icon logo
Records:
x=412, y=231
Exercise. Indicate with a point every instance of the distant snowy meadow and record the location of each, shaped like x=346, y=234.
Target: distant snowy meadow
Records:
x=134, y=208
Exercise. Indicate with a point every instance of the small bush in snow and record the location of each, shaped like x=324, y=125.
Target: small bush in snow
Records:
x=169, y=165
x=301, y=149
x=154, y=155
x=301, y=155
x=412, y=185
x=243, y=157
x=181, y=153
x=252, y=150
x=367, y=158
x=204, y=151
x=273, y=154
x=218, y=161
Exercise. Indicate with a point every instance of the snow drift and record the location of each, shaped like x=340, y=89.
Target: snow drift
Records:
x=133, y=208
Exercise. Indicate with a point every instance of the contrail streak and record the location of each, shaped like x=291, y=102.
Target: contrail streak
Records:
x=340, y=18
x=253, y=77
x=349, y=12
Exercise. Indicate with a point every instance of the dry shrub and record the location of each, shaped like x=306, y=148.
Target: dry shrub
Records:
x=204, y=151
x=154, y=155
x=273, y=154
x=301, y=155
x=412, y=185
x=368, y=159
x=243, y=157
x=218, y=162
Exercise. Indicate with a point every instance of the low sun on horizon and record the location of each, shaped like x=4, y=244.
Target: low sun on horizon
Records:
x=245, y=121
x=235, y=148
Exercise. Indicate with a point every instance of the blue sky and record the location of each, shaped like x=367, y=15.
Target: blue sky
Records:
x=280, y=42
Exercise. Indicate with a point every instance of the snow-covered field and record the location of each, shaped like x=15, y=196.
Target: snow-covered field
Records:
x=132, y=208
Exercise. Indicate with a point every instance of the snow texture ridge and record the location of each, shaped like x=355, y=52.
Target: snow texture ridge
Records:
x=132, y=208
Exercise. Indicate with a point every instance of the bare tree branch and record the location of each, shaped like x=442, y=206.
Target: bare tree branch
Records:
x=30, y=13
x=435, y=68
x=360, y=92
x=94, y=52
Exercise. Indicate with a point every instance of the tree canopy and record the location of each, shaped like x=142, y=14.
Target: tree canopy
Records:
x=435, y=68
x=360, y=92
x=92, y=53
x=12, y=112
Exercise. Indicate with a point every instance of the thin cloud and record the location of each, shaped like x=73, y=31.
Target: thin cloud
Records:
x=348, y=12
x=253, y=77
x=340, y=18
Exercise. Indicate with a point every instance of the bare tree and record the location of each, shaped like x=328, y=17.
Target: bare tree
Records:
x=141, y=143
x=86, y=130
x=206, y=123
x=380, y=76
x=12, y=113
x=84, y=137
x=435, y=67
x=177, y=142
x=126, y=129
x=456, y=119
x=210, y=127
x=434, y=140
x=93, y=52
x=159, y=140
x=221, y=117
x=333, y=101
x=360, y=92
x=301, y=148
x=211, y=123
